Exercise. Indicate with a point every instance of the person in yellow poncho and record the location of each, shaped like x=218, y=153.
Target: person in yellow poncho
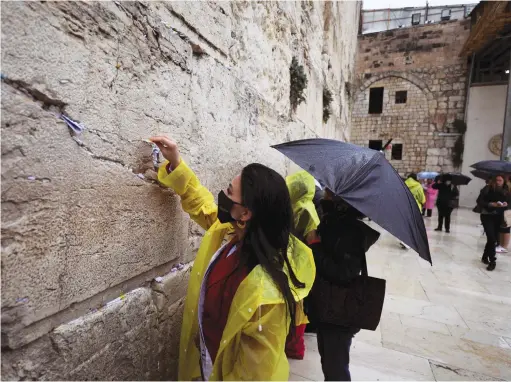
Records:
x=302, y=188
x=241, y=295
x=417, y=192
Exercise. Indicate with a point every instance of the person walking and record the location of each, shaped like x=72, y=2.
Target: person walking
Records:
x=242, y=295
x=431, y=195
x=339, y=250
x=446, y=201
x=417, y=192
x=302, y=188
x=493, y=200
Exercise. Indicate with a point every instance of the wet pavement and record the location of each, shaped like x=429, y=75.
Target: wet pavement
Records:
x=449, y=321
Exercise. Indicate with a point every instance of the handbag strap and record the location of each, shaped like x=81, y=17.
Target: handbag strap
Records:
x=364, y=265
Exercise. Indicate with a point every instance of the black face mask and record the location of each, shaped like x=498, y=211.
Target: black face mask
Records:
x=224, y=208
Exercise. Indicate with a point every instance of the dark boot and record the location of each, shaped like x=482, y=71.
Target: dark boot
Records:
x=440, y=220
x=491, y=266
x=485, y=260
x=448, y=222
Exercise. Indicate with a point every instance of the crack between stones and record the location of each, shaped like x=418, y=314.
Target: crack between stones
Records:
x=36, y=95
x=154, y=32
x=193, y=29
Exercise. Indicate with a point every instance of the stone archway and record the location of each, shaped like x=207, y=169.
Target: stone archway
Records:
x=406, y=76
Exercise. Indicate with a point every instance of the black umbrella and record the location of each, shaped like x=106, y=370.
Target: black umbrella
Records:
x=494, y=167
x=481, y=174
x=458, y=179
x=367, y=181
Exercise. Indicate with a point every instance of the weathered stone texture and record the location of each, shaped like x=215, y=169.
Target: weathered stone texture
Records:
x=80, y=224
x=130, y=339
x=424, y=61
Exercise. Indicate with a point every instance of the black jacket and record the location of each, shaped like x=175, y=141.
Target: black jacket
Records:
x=446, y=194
x=344, y=242
x=492, y=195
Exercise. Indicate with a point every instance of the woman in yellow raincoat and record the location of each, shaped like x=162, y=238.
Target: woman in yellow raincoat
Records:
x=270, y=272
x=302, y=187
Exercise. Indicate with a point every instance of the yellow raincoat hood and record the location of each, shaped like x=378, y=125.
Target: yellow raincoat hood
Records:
x=302, y=188
x=417, y=191
x=245, y=352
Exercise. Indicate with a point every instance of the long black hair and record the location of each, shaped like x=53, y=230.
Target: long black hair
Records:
x=265, y=193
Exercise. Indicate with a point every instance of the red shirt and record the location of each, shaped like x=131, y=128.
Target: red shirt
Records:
x=221, y=286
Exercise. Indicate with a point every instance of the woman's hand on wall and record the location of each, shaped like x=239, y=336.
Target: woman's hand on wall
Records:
x=168, y=149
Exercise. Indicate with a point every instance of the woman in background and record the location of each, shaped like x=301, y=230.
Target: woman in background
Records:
x=431, y=195
x=446, y=201
x=302, y=189
x=504, y=232
x=493, y=200
x=339, y=248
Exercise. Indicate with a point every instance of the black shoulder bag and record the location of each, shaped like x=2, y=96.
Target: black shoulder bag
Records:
x=357, y=305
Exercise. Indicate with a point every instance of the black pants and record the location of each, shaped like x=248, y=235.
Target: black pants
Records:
x=444, y=213
x=428, y=210
x=334, y=343
x=491, y=225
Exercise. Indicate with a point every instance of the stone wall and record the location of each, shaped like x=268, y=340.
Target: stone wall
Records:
x=424, y=61
x=85, y=229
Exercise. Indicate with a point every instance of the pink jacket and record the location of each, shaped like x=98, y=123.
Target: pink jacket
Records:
x=431, y=195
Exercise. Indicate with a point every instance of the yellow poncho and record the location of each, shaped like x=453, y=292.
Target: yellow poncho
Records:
x=417, y=192
x=302, y=188
x=245, y=353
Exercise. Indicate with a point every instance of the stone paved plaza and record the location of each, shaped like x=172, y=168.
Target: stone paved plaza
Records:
x=451, y=321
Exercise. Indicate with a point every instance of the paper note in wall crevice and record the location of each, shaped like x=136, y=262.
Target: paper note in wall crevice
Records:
x=76, y=127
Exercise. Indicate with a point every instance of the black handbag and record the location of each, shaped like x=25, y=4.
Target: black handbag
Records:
x=357, y=305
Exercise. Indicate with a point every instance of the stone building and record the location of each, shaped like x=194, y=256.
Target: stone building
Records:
x=411, y=87
x=488, y=134
x=95, y=255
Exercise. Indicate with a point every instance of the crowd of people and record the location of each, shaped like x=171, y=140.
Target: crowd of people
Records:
x=492, y=204
x=269, y=243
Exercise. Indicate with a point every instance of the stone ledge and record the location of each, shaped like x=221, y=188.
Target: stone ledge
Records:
x=20, y=337
x=127, y=340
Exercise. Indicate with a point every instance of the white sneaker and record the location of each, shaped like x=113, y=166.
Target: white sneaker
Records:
x=500, y=249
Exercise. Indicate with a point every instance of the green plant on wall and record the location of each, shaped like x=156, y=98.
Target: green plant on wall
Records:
x=327, y=100
x=298, y=80
x=457, y=151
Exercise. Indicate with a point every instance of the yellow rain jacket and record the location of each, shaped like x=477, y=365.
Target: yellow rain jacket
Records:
x=245, y=352
x=417, y=191
x=302, y=188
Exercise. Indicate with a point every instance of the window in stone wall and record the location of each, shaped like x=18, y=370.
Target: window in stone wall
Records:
x=397, y=151
x=401, y=96
x=376, y=144
x=445, y=15
x=375, y=100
